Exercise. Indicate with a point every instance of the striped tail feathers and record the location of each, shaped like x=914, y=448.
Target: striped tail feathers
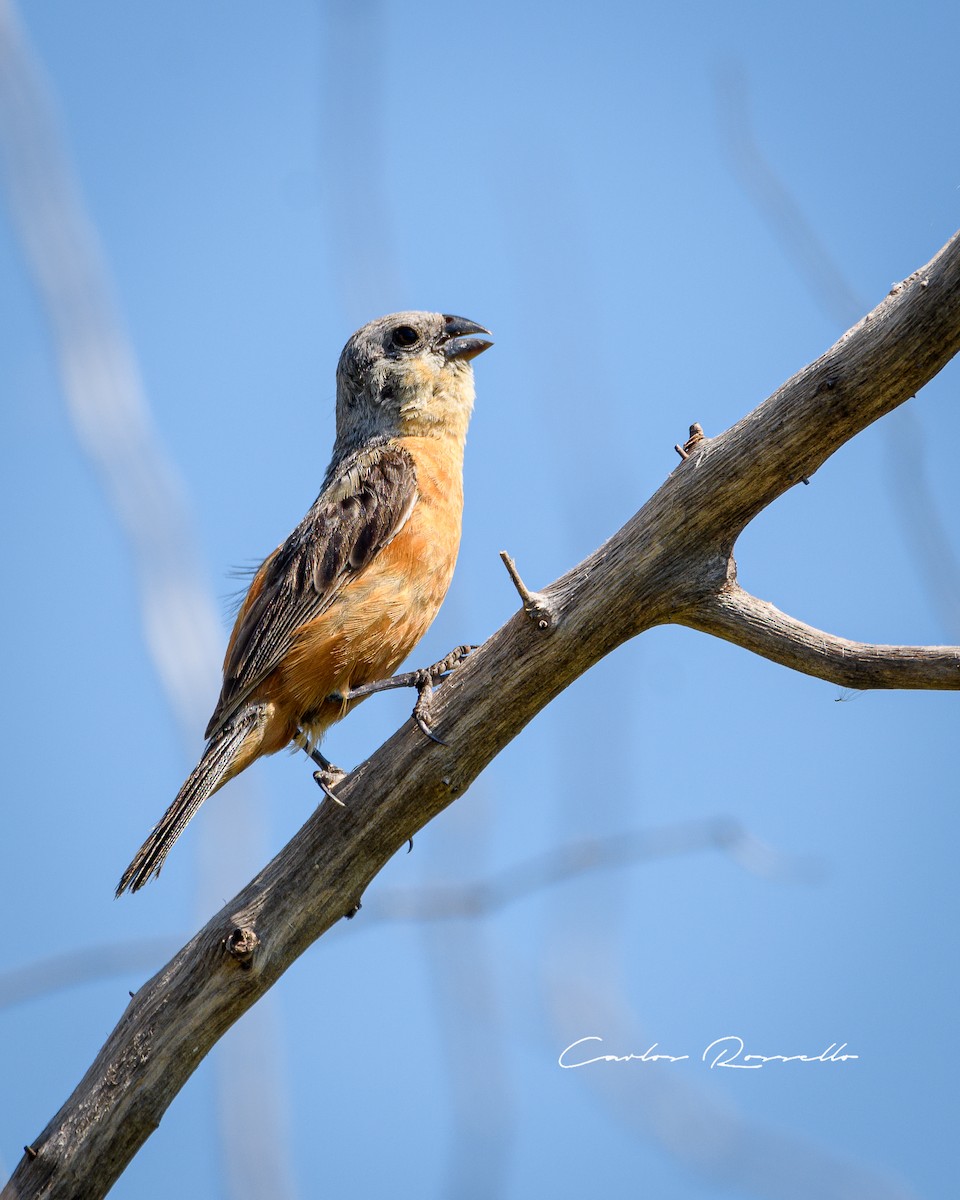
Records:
x=219, y=763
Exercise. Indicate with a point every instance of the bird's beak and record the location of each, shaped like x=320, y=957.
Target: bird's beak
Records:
x=455, y=342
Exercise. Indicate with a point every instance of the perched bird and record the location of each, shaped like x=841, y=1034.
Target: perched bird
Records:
x=356, y=585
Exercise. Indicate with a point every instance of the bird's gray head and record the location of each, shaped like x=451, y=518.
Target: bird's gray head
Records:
x=408, y=374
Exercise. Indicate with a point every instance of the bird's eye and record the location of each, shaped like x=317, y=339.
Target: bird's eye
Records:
x=405, y=336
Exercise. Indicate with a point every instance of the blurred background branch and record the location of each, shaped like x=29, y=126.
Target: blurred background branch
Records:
x=450, y=902
x=111, y=418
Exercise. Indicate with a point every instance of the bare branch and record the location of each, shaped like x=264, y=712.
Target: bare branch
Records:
x=756, y=625
x=878, y=364
x=665, y=565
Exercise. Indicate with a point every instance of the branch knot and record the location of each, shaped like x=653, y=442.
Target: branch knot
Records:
x=241, y=942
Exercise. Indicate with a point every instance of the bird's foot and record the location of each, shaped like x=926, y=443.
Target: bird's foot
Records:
x=325, y=781
x=327, y=775
x=423, y=680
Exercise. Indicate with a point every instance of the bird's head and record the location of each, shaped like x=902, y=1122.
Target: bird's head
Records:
x=408, y=374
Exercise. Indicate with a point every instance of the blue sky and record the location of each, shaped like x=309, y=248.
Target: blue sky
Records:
x=261, y=183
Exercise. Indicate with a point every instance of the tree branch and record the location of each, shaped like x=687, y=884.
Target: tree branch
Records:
x=756, y=625
x=670, y=563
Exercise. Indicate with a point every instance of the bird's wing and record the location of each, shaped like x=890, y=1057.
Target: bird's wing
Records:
x=362, y=509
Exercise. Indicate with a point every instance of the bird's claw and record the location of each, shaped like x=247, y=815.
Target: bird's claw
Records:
x=325, y=781
x=424, y=680
x=421, y=710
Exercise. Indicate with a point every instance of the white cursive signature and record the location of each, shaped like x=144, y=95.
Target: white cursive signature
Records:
x=646, y=1056
x=722, y=1052
x=728, y=1052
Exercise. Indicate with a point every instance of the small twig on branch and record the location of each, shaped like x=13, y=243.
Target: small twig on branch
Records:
x=696, y=436
x=536, y=605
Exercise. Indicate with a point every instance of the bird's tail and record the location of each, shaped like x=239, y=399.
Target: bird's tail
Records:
x=228, y=752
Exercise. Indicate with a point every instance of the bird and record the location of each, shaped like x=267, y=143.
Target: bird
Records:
x=343, y=601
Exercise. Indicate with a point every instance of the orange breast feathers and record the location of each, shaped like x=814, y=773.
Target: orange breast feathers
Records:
x=377, y=616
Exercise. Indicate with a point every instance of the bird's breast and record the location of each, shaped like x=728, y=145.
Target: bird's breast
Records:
x=380, y=615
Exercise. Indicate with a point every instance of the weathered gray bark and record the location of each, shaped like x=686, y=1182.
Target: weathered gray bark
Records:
x=672, y=562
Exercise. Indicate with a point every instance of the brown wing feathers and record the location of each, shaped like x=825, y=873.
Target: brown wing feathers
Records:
x=363, y=507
